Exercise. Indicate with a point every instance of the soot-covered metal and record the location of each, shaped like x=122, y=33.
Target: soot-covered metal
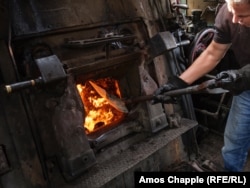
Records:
x=48, y=49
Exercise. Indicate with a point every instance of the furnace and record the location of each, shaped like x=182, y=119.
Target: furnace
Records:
x=71, y=79
x=89, y=107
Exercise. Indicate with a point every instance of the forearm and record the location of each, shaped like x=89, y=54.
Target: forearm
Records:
x=199, y=68
x=206, y=62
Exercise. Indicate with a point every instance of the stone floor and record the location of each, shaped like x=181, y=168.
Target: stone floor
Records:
x=210, y=147
x=209, y=158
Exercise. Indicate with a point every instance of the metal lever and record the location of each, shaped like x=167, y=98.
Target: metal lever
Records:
x=51, y=70
x=22, y=85
x=163, y=42
x=181, y=6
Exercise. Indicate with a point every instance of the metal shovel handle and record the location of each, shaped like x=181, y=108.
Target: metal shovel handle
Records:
x=209, y=86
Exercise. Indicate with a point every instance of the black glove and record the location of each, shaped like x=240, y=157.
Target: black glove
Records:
x=173, y=83
x=236, y=81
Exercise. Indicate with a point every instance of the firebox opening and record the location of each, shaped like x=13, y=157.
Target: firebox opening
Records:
x=100, y=111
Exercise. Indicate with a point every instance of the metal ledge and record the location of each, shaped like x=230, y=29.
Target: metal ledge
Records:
x=115, y=169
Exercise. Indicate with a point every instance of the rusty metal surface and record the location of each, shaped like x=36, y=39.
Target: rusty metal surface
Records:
x=103, y=173
x=74, y=153
x=34, y=16
x=16, y=135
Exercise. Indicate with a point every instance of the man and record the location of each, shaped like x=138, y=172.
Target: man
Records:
x=232, y=25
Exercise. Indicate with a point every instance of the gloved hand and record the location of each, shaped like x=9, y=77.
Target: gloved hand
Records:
x=235, y=81
x=173, y=83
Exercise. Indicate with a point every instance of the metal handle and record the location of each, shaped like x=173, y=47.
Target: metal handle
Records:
x=22, y=85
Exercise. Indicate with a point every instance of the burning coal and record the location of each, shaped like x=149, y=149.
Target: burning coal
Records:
x=99, y=112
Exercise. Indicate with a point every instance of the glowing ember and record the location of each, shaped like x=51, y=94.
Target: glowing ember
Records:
x=99, y=112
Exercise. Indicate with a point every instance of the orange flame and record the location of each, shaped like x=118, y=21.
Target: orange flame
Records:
x=98, y=112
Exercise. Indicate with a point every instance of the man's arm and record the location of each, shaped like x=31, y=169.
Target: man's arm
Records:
x=202, y=65
x=206, y=62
